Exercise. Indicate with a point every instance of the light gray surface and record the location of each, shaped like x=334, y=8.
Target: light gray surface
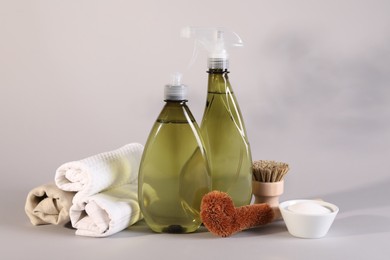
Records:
x=82, y=77
x=360, y=231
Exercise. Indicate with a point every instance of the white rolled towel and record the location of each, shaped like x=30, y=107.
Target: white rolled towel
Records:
x=100, y=172
x=106, y=213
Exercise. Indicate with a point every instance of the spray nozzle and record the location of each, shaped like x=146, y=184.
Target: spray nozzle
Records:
x=176, y=79
x=216, y=41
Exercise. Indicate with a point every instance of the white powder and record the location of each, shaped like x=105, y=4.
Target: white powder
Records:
x=309, y=207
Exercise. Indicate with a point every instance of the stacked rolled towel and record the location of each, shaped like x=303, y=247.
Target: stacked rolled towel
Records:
x=106, y=186
x=106, y=213
x=100, y=172
x=47, y=204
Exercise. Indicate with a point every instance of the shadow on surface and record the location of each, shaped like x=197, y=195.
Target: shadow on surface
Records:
x=349, y=221
x=141, y=229
x=269, y=229
x=359, y=225
x=371, y=196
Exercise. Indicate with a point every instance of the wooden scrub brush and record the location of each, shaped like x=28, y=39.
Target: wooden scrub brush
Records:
x=268, y=183
x=221, y=218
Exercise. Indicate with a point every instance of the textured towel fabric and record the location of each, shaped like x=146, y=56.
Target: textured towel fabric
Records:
x=47, y=204
x=100, y=172
x=106, y=213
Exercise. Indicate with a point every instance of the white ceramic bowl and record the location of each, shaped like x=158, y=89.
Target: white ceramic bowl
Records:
x=306, y=224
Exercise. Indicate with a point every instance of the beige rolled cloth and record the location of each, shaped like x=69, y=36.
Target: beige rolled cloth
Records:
x=47, y=204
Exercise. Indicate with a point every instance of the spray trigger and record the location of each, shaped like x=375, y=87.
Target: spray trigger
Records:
x=216, y=41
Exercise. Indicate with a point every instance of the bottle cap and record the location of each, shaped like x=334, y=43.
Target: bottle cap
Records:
x=175, y=90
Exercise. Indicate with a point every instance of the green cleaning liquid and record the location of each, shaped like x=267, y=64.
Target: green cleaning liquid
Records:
x=174, y=172
x=222, y=126
x=225, y=139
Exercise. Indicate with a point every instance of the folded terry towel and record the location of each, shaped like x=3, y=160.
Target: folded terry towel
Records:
x=106, y=213
x=47, y=204
x=100, y=172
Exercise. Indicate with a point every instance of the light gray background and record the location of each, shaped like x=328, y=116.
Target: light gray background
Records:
x=82, y=77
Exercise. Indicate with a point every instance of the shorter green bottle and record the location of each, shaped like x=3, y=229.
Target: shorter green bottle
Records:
x=174, y=172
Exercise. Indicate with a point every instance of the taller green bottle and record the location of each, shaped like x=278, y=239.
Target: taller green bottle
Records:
x=174, y=172
x=222, y=126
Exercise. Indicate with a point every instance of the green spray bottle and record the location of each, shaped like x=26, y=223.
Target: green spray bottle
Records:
x=222, y=126
x=174, y=172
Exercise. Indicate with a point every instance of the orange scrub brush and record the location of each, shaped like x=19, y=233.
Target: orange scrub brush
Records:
x=221, y=218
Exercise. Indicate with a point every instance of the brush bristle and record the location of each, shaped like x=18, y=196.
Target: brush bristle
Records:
x=255, y=215
x=269, y=171
x=217, y=213
x=221, y=218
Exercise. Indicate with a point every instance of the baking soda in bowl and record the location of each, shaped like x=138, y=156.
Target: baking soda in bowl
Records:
x=308, y=218
x=309, y=207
